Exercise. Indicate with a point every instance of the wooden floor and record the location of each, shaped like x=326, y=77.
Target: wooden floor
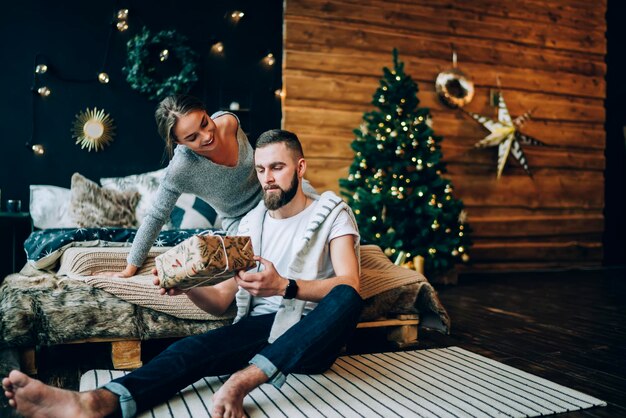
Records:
x=568, y=327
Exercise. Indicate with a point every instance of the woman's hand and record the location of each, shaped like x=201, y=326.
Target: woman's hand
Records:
x=129, y=271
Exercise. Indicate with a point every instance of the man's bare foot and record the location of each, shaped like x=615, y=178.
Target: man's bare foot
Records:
x=32, y=398
x=228, y=400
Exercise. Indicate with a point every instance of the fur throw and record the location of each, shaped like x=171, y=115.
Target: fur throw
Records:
x=43, y=310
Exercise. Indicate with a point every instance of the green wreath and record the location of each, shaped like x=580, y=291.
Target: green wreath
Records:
x=141, y=66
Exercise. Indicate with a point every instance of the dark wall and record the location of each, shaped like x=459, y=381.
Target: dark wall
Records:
x=615, y=190
x=72, y=40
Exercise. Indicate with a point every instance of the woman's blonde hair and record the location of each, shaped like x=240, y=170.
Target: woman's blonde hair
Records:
x=167, y=114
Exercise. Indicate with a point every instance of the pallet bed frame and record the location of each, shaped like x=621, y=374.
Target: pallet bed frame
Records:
x=402, y=331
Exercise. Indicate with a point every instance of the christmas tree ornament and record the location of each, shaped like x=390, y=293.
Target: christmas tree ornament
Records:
x=454, y=87
x=505, y=134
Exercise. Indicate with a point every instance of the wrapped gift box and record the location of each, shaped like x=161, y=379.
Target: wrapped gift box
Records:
x=204, y=260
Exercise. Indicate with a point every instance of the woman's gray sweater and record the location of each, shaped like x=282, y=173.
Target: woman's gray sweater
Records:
x=231, y=191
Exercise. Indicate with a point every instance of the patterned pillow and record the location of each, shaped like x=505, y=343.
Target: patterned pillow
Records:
x=190, y=211
x=146, y=184
x=92, y=206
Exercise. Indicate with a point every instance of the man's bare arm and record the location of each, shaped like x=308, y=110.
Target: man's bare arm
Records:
x=270, y=283
x=212, y=299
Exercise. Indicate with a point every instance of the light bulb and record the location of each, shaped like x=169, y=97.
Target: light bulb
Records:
x=122, y=14
x=279, y=93
x=41, y=68
x=163, y=55
x=236, y=15
x=122, y=25
x=270, y=59
x=217, y=48
x=103, y=78
x=44, y=91
x=38, y=149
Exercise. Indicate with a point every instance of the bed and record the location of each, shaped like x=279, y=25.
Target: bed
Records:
x=60, y=296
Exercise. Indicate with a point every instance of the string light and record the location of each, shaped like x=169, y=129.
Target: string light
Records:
x=236, y=16
x=122, y=14
x=269, y=59
x=122, y=26
x=41, y=69
x=217, y=48
x=103, y=78
x=164, y=55
x=44, y=91
x=38, y=149
x=279, y=93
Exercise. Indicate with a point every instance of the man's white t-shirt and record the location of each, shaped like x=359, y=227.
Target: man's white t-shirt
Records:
x=281, y=238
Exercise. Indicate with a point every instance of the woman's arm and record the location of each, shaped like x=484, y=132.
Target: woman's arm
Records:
x=163, y=205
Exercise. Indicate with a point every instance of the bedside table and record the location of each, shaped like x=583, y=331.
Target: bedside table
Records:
x=14, y=229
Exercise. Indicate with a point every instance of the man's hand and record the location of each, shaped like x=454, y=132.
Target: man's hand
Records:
x=157, y=282
x=266, y=283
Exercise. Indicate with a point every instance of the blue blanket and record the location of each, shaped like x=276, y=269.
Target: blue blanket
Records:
x=43, y=248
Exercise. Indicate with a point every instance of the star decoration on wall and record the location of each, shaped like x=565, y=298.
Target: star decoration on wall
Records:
x=505, y=134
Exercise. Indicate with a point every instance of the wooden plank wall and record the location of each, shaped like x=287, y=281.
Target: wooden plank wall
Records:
x=549, y=55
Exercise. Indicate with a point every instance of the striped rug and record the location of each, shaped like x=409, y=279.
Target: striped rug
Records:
x=446, y=382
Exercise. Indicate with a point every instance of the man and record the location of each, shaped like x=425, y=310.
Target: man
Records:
x=287, y=321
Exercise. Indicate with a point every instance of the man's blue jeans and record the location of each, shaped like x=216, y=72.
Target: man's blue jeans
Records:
x=311, y=346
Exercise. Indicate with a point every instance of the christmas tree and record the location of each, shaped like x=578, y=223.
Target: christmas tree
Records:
x=395, y=187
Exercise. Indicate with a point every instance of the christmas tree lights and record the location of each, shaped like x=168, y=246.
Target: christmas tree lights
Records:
x=394, y=185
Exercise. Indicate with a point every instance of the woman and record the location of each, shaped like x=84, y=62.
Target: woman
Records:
x=210, y=157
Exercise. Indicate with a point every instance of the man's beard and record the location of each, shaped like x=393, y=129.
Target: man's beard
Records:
x=276, y=200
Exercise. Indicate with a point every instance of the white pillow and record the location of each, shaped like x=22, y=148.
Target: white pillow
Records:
x=49, y=207
x=190, y=211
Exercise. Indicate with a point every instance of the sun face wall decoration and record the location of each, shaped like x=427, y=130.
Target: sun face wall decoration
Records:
x=93, y=129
